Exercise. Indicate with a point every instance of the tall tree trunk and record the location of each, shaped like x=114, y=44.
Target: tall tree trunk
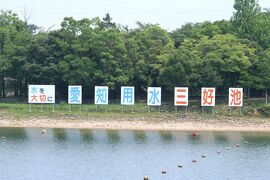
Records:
x=20, y=87
x=25, y=87
x=248, y=93
x=266, y=96
x=1, y=92
x=16, y=87
x=3, y=86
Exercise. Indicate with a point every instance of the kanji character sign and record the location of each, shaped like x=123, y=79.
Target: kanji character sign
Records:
x=154, y=96
x=41, y=94
x=75, y=94
x=127, y=95
x=101, y=95
x=208, y=96
x=235, y=96
x=181, y=96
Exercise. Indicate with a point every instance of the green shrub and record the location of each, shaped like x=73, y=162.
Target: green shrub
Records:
x=264, y=110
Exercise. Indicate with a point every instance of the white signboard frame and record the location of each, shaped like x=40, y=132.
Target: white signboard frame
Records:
x=101, y=97
x=41, y=94
x=126, y=96
x=208, y=92
x=154, y=96
x=233, y=93
x=181, y=96
x=71, y=96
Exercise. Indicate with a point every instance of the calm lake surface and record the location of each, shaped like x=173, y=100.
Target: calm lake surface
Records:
x=25, y=153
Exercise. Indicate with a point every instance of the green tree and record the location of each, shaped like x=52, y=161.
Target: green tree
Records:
x=101, y=47
x=262, y=74
x=14, y=40
x=244, y=19
x=199, y=30
x=262, y=30
x=75, y=70
x=250, y=22
x=180, y=69
x=107, y=22
x=148, y=47
x=224, y=59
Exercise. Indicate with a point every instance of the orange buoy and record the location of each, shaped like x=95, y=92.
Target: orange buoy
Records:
x=194, y=134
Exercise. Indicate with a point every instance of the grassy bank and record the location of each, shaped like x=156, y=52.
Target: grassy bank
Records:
x=252, y=108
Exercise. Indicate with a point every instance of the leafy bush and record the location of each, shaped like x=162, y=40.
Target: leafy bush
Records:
x=265, y=110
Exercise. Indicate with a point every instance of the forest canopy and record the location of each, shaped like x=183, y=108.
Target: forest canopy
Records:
x=91, y=52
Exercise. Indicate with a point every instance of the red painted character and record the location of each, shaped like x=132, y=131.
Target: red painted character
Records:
x=208, y=96
x=42, y=98
x=236, y=97
x=34, y=98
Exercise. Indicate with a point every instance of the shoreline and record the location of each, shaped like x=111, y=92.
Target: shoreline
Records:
x=146, y=123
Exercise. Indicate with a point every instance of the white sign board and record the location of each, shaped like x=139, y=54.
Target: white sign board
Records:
x=181, y=96
x=74, y=94
x=236, y=97
x=208, y=96
x=154, y=96
x=101, y=95
x=41, y=94
x=127, y=95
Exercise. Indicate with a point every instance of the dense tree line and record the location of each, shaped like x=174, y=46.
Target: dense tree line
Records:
x=89, y=52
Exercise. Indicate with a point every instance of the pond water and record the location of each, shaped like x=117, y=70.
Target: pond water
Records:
x=26, y=153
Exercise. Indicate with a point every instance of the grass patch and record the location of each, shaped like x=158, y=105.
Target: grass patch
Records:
x=252, y=107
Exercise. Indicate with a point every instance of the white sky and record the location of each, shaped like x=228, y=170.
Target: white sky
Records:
x=170, y=14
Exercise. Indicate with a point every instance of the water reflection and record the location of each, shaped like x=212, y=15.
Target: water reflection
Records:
x=255, y=139
x=116, y=154
x=194, y=140
x=87, y=135
x=166, y=136
x=113, y=136
x=220, y=138
x=140, y=136
x=13, y=133
x=60, y=134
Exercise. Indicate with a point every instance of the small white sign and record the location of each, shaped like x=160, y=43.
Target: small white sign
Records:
x=74, y=94
x=208, y=96
x=181, y=96
x=127, y=95
x=154, y=96
x=101, y=95
x=236, y=97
